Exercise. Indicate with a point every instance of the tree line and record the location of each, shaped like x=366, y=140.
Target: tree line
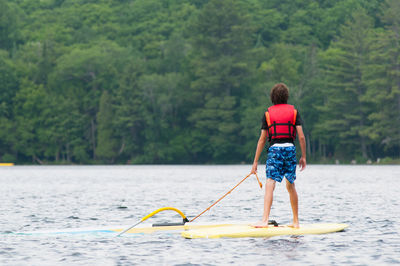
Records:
x=187, y=81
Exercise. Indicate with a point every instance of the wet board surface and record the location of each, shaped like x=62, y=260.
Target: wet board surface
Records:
x=235, y=231
x=135, y=230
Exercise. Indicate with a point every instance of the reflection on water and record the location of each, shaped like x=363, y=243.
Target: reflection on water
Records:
x=59, y=197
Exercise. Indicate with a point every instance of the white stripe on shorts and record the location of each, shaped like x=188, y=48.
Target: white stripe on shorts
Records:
x=288, y=144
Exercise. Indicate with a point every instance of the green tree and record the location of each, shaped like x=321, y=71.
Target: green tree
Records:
x=344, y=115
x=29, y=107
x=106, y=149
x=382, y=77
x=220, y=37
x=188, y=81
x=82, y=74
x=9, y=25
x=216, y=129
x=129, y=121
x=162, y=99
x=9, y=85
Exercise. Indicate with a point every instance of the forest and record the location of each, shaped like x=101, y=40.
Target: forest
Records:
x=188, y=81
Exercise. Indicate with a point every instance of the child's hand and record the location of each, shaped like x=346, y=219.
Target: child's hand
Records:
x=302, y=163
x=254, y=169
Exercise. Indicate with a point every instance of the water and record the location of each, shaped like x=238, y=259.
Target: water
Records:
x=58, y=197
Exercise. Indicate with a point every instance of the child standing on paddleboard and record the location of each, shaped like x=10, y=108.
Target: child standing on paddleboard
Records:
x=280, y=124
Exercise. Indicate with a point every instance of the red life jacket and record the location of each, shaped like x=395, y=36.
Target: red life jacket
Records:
x=281, y=120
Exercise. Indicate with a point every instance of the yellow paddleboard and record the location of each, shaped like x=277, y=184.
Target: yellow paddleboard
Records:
x=135, y=230
x=152, y=229
x=249, y=231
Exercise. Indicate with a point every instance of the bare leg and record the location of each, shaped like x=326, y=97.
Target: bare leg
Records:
x=294, y=201
x=268, y=197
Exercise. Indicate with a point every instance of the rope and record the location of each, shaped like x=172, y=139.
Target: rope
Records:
x=227, y=194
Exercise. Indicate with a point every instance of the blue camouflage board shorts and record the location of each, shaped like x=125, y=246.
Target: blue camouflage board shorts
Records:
x=281, y=162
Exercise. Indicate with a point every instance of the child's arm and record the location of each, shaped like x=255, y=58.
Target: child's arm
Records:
x=260, y=147
x=302, y=141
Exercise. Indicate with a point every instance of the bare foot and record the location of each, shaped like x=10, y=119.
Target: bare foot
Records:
x=294, y=225
x=260, y=224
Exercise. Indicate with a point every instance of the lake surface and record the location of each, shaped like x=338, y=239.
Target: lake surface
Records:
x=37, y=198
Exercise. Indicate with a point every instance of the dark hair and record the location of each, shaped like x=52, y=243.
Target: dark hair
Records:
x=279, y=94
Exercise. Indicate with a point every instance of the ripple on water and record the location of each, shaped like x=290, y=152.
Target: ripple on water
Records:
x=46, y=198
